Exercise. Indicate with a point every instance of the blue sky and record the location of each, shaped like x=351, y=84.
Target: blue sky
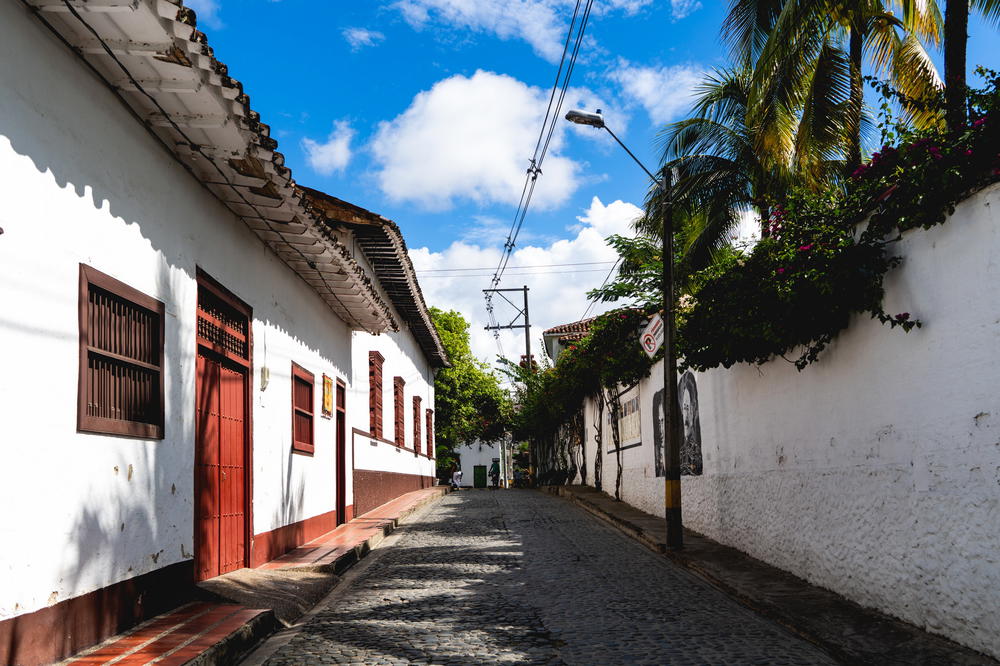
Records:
x=426, y=111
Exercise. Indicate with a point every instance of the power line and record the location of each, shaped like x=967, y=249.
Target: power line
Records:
x=476, y=275
x=560, y=86
x=593, y=301
x=487, y=268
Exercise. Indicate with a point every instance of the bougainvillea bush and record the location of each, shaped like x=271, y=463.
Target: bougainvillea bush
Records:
x=823, y=257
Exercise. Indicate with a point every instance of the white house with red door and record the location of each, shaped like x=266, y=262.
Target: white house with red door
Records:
x=204, y=364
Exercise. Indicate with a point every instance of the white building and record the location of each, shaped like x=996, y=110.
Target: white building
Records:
x=874, y=472
x=476, y=458
x=187, y=334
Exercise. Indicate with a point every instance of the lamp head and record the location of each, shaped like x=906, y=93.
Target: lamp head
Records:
x=584, y=118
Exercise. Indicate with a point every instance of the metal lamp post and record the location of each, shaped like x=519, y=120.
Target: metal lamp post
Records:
x=671, y=406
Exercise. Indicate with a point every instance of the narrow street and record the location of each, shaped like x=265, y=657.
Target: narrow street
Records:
x=522, y=577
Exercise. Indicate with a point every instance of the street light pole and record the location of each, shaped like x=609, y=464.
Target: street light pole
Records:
x=671, y=404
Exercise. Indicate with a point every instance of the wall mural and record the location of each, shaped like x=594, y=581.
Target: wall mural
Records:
x=691, y=465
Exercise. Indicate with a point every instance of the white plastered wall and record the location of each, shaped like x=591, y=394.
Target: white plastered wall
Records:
x=874, y=472
x=403, y=358
x=82, y=181
x=476, y=453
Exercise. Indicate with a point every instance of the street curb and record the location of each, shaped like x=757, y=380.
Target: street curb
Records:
x=239, y=643
x=352, y=557
x=845, y=630
x=251, y=636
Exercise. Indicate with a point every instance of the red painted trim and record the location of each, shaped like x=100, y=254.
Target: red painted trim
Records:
x=374, y=488
x=55, y=632
x=277, y=542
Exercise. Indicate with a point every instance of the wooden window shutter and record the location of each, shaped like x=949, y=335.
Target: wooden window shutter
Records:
x=416, y=423
x=375, y=361
x=430, y=433
x=398, y=385
x=120, y=389
x=303, y=382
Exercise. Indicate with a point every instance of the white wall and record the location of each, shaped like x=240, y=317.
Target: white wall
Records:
x=84, y=182
x=874, y=472
x=474, y=454
x=403, y=358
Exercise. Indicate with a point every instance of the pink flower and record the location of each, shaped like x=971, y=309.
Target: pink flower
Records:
x=780, y=271
x=968, y=152
x=980, y=122
x=805, y=248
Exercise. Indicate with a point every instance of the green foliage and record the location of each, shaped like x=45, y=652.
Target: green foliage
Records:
x=469, y=402
x=824, y=256
x=608, y=356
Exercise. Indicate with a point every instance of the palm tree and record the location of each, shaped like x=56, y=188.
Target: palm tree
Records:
x=956, y=35
x=807, y=52
x=719, y=174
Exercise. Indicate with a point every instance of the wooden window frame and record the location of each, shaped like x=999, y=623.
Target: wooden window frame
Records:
x=399, y=412
x=376, y=411
x=429, y=416
x=95, y=424
x=304, y=448
x=417, y=414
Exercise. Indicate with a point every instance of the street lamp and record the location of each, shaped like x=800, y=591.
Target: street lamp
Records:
x=671, y=406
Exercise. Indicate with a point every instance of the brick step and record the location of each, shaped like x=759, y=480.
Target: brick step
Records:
x=197, y=633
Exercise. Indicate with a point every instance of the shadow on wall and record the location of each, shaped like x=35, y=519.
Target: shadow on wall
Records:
x=136, y=522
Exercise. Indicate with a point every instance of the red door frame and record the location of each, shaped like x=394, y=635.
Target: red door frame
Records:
x=341, y=435
x=203, y=279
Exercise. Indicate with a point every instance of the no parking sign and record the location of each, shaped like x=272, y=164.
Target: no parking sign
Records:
x=652, y=336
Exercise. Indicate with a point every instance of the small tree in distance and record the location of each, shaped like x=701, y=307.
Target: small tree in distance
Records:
x=469, y=402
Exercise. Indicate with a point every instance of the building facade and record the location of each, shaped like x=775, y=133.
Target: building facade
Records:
x=186, y=331
x=874, y=472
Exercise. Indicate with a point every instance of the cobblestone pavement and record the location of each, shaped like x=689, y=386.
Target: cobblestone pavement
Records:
x=520, y=577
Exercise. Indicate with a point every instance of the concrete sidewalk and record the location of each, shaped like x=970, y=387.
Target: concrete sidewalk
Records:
x=845, y=630
x=238, y=610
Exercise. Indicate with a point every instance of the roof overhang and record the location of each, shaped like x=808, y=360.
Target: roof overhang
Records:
x=383, y=245
x=153, y=58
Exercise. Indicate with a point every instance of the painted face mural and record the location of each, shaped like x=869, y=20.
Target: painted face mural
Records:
x=691, y=460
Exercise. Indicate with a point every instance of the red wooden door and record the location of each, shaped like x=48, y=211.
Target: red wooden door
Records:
x=221, y=468
x=341, y=480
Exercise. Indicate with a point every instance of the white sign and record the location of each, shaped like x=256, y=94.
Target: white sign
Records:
x=652, y=336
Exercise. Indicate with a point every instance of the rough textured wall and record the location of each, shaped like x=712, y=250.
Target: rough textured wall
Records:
x=876, y=471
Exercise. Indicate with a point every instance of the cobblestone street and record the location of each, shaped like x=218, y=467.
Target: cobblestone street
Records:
x=521, y=577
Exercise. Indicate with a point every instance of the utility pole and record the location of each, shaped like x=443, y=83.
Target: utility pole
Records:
x=520, y=312
x=671, y=402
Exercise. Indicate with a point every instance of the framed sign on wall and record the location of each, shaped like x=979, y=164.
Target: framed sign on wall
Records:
x=327, y=397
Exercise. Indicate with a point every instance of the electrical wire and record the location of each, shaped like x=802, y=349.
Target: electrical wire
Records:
x=478, y=275
x=487, y=268
x=593, y=301
x=557, y=96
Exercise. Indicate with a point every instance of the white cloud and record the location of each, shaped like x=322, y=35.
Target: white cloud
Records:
x=683, y=8
x=665, y=92
x=207, y=12
x=554, y=297
x=541, y=23
x=471, y=138
x=359, y=38
x=333, y=155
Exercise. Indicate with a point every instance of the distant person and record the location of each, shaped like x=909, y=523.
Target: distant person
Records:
x=495, y=473
x=456, y=479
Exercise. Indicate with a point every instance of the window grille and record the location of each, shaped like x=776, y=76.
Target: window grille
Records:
x=121, y=358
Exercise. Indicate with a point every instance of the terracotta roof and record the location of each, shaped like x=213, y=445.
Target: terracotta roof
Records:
x=384, y=247
x=152, y=57
x=572, y=337
x=582, y=327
